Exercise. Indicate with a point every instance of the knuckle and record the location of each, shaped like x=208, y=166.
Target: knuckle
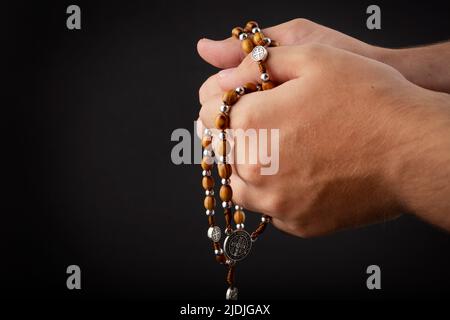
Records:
x=250, y=172
x=300, y=23
x=277, y=204
x=203, y=115
x=203, y=90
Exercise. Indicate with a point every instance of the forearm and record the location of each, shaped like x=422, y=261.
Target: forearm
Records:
x=422, y=161
x=427, y=66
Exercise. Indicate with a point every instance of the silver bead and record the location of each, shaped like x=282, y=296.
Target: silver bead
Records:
x=243, y=36
x=240, y=90
x=209, y=192
x=265, y=77
x=256, y=29
x=218, y=252
x=210, y=212
x=224, y=108
x=229, y=262
x=206, y=173
x=238, y=207
x=232, y=293
x=222, y=135
x=240, y=226
x=228, y=231
x=214, y=233
x=265, y=219
x=226, y=204
x=267, y=41
x=208, y=153
x=225, y=181
x=207, y=133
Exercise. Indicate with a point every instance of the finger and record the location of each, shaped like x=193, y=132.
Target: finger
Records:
x=200, y=128
x=209, y=88
x=228, y=53
x=245, y=195
x=283, y=64
x=240, y=113
x=222, y=54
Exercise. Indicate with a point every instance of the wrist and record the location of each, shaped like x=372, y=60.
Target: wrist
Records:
x=419, y=164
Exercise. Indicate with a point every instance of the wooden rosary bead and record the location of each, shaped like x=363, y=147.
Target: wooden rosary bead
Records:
x=224, y=170
x=247, y=45
x=249, y=87
x=230, y=276
x=236, y=32
x=221, y=258
x=206, y=163
x=230, y=97
x=239, y=217
x=268, y=85
x=216, y=245
x=223, y=148
x=206, y=141
x=222, y=121
x=207, y=183
x=258, y=39
x=226, y=193
x=260, y=229
x=250, y=25
x=211, y=221
x=262, y=67
x=209, y=202
x=227, y=214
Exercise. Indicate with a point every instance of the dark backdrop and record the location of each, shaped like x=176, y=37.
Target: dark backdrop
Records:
x=88, y=117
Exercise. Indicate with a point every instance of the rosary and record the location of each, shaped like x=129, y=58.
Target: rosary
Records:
x=238, y=242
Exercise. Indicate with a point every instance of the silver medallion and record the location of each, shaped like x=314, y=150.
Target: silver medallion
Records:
x=237, y=245
x=232, y=293
x=214, y=233
x=259, y=53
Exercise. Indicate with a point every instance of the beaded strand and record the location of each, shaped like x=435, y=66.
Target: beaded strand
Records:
x=238, y=242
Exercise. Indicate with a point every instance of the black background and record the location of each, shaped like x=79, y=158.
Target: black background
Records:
x=88, y=117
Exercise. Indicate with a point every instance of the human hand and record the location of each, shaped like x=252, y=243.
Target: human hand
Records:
x=354, y=133
x=425, y=66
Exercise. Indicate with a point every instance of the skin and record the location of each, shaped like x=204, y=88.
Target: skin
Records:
x=359, y=143
x=425, y=66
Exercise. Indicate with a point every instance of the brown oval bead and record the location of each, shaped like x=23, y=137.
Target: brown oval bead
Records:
x=222, y=121
x=258, y=39
x=224, y=170
x=236, y=32
x=210, y=202
x=247, y=45
x=206, y=141
x=249, y=87
x=226, y=193
x=206, y=163
x=221, y=258
x=250, y=25
x=211, y=221
x=223, y=148
x=239, y=217
x=230, y=97
x=268, y=85
x=207, y=183
x=262, y=67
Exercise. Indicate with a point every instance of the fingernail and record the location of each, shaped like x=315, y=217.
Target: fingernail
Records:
x=226, y=72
